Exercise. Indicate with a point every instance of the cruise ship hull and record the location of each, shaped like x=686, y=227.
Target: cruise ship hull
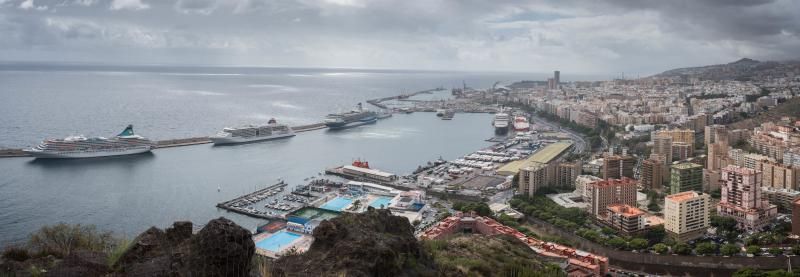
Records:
x=241, y=140
x=345, y=125
x=501, y=130
x=86, y=154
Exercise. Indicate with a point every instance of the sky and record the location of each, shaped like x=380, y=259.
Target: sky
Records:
x=580, y=36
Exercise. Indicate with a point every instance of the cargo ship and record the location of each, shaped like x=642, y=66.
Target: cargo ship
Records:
x=126, y=143
x=356, y=117
x=252, y=133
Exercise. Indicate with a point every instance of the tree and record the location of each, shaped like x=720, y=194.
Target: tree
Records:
x=682, y=249
x=729, y=249
x=617, y=242
x=775, y=251
x=796, y=249
x=653, y=207
x=655, y=234
x=638, y=244
x=660, y=248
x=753, y=250
x=706, y=248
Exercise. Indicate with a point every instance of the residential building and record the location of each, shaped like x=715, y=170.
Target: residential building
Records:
x=611, y=191
x=752, y=160
x=652, y=177
x=783, y=198
x=741, y=198
x=682, y=151
x=778, y=175
x=563, y=174
x=625, y=218
x=713, y=133
x=618, y=166
x=796, y=217
x=686, y=177
x=532, y=178
x=686, y=214
x=582, y=185
x=679, y=135
x=662, y=145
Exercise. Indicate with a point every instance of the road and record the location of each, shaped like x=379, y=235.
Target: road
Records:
x=580, y=142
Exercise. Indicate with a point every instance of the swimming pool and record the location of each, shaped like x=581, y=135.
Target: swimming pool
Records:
x=337, y=204
x=277, y=241
x=381, y=201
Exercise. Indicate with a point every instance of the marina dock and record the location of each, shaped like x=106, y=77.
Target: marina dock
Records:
x=237, y=205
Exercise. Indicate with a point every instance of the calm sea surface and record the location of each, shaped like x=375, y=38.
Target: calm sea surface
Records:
x=129, y=194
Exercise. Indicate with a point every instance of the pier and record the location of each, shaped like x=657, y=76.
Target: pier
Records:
x=241, y=205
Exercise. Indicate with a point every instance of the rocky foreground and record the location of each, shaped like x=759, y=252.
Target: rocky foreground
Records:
x=374, y=243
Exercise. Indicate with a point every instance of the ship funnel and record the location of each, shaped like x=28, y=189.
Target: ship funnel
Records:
x=127, y=132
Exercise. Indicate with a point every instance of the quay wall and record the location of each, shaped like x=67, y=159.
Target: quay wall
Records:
x=676, y=265
x=12, y=153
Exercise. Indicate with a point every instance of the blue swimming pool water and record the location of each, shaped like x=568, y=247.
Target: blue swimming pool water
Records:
x=277, y=241
x=381, y=201
x=337, y=204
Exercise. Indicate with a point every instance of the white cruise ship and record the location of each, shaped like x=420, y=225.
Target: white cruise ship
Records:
x=500, y=123
x=253, y=133
x=126, y=143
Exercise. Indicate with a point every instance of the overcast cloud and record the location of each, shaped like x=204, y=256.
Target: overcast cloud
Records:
x=588, y=36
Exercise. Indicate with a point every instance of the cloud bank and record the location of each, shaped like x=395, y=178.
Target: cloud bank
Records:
x=583, y=36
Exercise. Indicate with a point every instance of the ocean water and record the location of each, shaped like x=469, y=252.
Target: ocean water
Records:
x=129, y=194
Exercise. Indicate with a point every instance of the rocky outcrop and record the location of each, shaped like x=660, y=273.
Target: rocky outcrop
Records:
x=374, y=243
x=221, y=248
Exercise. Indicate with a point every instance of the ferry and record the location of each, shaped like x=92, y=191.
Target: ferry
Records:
x=253, y=133
x=500, y=123
x=521, y=124
x=126, y=143
x=356, y=117
x=440, y=112
x=448, y=115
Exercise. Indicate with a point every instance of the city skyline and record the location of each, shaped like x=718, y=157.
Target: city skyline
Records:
x=606, y=37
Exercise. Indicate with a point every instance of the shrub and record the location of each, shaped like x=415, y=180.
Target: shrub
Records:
x=16, y=254
x=682, y=249
x=706, y=248
x=753, y=250
x=61, y=239
x=638, y=244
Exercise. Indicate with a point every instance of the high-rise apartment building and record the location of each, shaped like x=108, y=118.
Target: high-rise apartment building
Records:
x=741, y=198
x=611, y=191
x=652, y=177
x=678, y=135
x=778, y=175
x=662, y=145
x=618, y=166
x=686, y=215
x=557, y=79
x=686, y=177
x=532, y=178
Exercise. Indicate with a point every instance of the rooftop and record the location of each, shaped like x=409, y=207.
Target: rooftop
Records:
x=686, y=166
x=683, y=196
x=625, y=210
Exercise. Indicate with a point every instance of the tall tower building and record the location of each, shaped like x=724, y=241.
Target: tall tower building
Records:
x=557, y=79
x=741, y=198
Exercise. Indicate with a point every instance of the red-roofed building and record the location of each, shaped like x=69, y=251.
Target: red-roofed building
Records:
x=580, y=263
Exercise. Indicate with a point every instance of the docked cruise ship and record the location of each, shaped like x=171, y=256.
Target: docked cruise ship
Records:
x=253, y=133
x=356, y=117
x=126, y=143
x=521, y=124
x=501, y=123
